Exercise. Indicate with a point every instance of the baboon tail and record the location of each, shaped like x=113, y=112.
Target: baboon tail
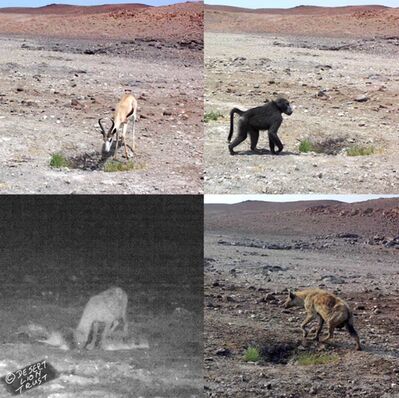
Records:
x=232, y=112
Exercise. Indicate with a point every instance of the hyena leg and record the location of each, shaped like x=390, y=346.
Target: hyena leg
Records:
x=354, y=334
x=114, y=325
x=308, y=318
x=319, y=327
x=90, y=345
x=125, y=325
x=330, y=332
x=106, y=333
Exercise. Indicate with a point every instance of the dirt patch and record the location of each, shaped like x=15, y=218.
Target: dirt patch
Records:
x=277, y=353
x=96, y=161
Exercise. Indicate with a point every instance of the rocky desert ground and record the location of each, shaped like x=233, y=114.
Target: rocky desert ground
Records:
x=63, y=67
x=338, y=68
x=255, y=252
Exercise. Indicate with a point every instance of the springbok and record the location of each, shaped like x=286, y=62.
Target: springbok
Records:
x=126, y=107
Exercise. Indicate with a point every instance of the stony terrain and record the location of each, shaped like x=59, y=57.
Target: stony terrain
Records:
x=57, y=79
x=255, y=251
x=343, y=84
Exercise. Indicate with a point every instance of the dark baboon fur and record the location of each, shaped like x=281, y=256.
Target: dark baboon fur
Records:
x=266, y=117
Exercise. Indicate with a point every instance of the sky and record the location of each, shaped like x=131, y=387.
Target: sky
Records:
x=291, y=198
x=294, y=3
x=40, y=3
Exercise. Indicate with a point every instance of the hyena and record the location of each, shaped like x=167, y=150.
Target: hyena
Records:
x=107, y=308
x=326, y=307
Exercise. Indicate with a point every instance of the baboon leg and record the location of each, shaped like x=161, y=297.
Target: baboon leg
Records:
x=308, y=318
x=124, y=131
x=319, y=327
x=254, y=136
x=116, y=143
x=242, y=134
x=354, y=334
x=274, y=140
x=90, y=345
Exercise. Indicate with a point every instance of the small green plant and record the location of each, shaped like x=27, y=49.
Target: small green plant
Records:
x=212, y=116
x=58, y=160
x=306, y=146
x=307, y=359
x=113, y=166
x=360, y=151
x=252, y=354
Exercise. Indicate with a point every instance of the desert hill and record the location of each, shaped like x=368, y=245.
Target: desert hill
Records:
x=299, y=10
x=306, y=217
x=350, y=21
x=181, y=21
x=68, y=9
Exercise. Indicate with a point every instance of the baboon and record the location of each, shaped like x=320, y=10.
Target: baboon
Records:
x=266, y=117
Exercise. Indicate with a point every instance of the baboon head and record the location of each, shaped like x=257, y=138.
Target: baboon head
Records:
x=107, y=135
x=283, y=105
x=292, y=300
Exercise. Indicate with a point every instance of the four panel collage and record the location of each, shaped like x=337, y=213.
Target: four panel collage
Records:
x=199, y=199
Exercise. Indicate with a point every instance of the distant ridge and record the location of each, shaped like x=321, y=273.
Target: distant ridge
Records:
x=298, y=10
x=68, y=9
x=263, y=206
x=310, y=217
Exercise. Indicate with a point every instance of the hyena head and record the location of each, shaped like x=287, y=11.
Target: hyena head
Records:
x=292, y=300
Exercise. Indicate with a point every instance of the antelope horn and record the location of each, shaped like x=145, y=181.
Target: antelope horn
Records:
x=101, y=126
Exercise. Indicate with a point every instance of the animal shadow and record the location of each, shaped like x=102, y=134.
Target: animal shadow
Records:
x=264, y=152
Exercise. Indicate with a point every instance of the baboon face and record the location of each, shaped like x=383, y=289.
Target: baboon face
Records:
x=284, y=106
x=291, y=300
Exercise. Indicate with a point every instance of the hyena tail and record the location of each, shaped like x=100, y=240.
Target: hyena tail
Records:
x=232, y=112
x=350, y=328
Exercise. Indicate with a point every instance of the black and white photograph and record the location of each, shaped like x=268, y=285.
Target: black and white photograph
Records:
x=106, y=291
